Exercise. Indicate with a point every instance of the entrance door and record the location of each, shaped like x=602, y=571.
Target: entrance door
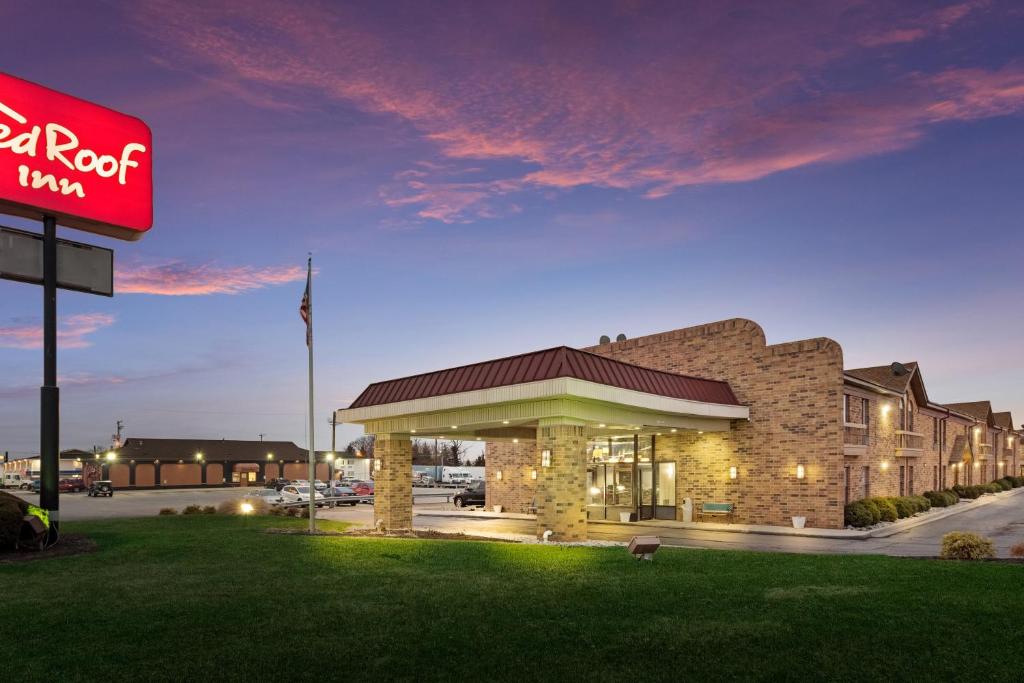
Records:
x=610, y=490
x=665, y=492
x=646, y=476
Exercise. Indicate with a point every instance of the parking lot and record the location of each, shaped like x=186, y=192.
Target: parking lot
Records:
x=78, y=506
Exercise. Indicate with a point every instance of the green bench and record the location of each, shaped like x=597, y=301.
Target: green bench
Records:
x=716, y=509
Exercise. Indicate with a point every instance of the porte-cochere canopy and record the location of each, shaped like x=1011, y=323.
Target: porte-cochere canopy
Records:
x=510, y=397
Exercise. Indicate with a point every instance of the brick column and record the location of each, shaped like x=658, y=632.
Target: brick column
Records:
x=392, y=503
x=561, y=487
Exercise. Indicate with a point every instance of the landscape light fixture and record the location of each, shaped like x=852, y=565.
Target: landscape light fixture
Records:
x=545, y=458
x=801, y=472
x=643, y=547
x=246, y=508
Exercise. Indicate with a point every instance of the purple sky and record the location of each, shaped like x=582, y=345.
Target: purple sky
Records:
x=481, y=179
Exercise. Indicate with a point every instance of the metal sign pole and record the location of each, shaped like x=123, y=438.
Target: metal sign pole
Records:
x=49, y=442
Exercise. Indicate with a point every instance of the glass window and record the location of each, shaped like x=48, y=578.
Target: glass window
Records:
x=646, y=448
x=666, y=483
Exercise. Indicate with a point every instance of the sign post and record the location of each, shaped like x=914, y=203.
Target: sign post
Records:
x=68, y=161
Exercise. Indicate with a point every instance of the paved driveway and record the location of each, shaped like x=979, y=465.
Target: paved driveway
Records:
x=1001, y=519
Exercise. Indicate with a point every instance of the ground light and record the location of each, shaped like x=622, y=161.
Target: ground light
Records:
x=246, y=508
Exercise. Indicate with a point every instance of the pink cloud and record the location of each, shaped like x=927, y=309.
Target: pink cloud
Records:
x=645, y=98
x=175, y=278
x=72, y=332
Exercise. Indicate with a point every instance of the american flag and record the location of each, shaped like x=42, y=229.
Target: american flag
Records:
x=304, y=307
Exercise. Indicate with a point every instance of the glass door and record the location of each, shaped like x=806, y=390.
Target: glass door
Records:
x=665, y=493
x=646, y=475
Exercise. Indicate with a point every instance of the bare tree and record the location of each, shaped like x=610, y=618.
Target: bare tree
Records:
x=363, y=446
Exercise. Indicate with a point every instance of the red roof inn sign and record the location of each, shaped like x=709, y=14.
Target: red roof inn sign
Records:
x=68, y=161
x=88, y=166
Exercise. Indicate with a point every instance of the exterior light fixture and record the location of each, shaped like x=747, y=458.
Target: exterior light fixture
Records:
x=602, y=425
x=533, y=474
x=111, y=455
x=246, y=508
x=977, y=464
x=977, y=431
x=329, y=457
x=270, y=456
x=884, y=465
x=199, y=456
x=733, y=472
x=594, y=491
x=800, y=472
x=455, y=426
x=412, y=431
x=886, y=407
x=497, y=475
x=699, y=432
x=545, y=458
x=515, y=440
x=376, y=464
x=674, y=431
x=504, y=422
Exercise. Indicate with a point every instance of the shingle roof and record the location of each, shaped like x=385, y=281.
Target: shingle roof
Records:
x=560, y=361
x=976, y=409
x=213, y=450
x=884, y=377
x=1004, y=420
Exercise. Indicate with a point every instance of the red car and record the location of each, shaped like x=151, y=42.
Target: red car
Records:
x=363, y=488
x=70, y=485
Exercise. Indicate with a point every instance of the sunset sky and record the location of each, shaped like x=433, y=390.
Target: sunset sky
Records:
x=480, y=179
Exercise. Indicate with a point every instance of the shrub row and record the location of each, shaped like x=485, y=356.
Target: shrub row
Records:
x=868, y=511
x=975, y=490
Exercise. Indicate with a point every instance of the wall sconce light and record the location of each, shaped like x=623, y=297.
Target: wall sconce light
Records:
x=533, y=474
x=545, y=458
x=497, y=475
x=376, y=464
x=800, y=472
x=977, y=464
x=885, y=465
x=515, y=440
x=733, y=472
x=886, y=407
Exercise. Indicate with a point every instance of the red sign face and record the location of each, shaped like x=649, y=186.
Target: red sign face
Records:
x=89, y=166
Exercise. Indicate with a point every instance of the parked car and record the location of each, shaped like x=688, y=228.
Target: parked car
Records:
x=363, y=488
x=27, y=484
x=421, y=479
x=338, y=491
x=473, y=495
x=70, y=485
x=300, y=494
x=34, y=485
x=101, y=488
x=319, y=485
x=271, y=496
x=277, y=484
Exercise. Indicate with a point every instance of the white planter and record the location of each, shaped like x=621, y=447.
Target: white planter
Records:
x=625, y=516
x=798, y=522
x=497, y=508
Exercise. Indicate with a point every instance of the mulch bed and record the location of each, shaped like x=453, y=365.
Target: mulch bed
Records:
x=68, y=545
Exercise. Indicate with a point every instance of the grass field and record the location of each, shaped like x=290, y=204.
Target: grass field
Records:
x=214, y=598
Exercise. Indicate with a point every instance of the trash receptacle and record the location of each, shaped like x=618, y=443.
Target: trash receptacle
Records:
x=687, y=509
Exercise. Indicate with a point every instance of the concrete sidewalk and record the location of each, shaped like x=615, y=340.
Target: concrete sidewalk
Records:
x=882, y=531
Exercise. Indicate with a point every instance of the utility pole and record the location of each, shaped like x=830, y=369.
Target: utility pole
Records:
x=334, y=431
x=261, y=438
x=117, y=436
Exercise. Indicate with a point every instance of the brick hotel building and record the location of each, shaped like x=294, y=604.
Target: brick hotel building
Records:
x=714, y=414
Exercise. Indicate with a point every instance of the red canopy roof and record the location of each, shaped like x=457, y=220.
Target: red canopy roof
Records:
x=560, y=361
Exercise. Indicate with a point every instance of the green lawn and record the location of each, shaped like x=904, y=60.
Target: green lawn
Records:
x=213, y=598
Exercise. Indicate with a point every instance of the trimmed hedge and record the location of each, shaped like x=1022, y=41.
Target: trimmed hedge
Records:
x=1004, y=483
x=886, y=509
x=857, y=514
x=941, y=499
x=904, y=506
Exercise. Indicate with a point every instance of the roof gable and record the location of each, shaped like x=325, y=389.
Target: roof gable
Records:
x=979, y=410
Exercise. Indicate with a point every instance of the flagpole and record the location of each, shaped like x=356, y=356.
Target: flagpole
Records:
x=312, y=439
